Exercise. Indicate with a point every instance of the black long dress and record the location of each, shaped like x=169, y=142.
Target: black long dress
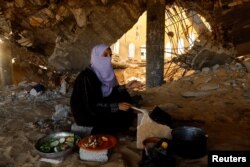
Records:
x=90, y=108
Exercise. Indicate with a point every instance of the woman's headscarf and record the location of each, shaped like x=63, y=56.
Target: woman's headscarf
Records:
x=103, y=69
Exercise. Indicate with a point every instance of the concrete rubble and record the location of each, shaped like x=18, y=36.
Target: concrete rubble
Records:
x=50, y=110
x=209, y=79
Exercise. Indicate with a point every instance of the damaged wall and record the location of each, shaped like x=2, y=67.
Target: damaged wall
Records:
x=64, y=32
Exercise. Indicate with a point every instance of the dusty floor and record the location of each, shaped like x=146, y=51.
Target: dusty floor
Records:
x=217, y=99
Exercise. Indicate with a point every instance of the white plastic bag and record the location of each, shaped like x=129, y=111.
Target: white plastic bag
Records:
x=148, y=128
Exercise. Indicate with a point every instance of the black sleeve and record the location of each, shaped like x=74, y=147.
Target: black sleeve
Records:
x=78, y=100
x=102, y=107
x=110, y=103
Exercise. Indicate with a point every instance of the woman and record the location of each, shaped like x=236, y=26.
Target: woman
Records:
x=97, y=100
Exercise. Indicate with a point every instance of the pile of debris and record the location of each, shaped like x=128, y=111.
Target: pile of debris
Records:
x=205, y=54
x=33, y=91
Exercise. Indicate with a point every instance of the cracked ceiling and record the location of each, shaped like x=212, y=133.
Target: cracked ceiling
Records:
x=62, y=32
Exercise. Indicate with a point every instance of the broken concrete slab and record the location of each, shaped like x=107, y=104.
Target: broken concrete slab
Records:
x=209, y=58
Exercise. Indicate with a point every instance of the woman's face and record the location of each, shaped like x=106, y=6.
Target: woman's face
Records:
x=107, y=53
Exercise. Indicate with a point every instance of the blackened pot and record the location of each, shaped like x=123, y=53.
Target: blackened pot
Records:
x=189, y=142
x=155, y=155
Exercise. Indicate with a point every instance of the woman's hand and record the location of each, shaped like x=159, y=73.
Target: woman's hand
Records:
x=124, y=106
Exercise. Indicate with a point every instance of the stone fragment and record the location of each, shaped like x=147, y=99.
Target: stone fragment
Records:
x=37, y=21
x=247, y=64
x=215, y=67
x=19, y=3
x=195, y=94
x=73, y=3
x=38, y=2
x=63, y=88
x=205, y=70
x=80, y=16
x=62, y=112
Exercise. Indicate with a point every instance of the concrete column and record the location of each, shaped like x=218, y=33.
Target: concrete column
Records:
x=155, y=42
x=5, y=63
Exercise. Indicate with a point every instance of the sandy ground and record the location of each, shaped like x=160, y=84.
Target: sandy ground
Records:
x=223, y=111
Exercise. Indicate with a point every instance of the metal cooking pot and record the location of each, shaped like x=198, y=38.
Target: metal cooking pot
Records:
x=189, y=142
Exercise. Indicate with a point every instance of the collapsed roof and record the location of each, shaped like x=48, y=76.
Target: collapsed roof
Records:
x=62, y=32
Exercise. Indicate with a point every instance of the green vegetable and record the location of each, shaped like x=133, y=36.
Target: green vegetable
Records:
x=45, y=148
x=57, y=144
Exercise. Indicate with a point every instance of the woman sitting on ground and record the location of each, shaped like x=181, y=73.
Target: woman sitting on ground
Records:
x=97, y=100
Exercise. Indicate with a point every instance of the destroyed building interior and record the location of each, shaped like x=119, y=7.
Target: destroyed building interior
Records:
x=204, y=82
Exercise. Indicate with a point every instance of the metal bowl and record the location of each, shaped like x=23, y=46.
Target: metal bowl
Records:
x=55, y=155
